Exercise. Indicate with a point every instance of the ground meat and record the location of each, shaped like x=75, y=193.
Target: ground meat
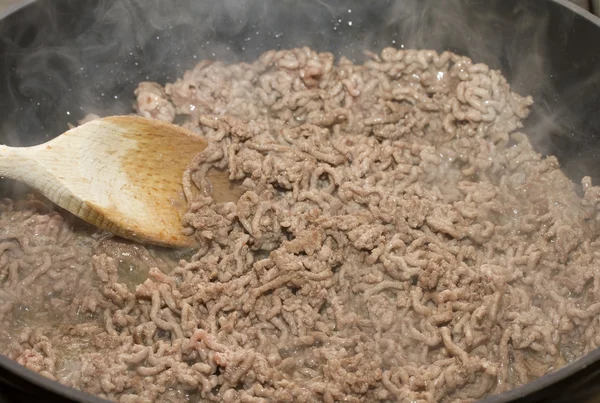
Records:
x=398, y=239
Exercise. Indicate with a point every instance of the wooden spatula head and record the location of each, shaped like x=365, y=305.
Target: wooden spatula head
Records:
x=140, y=197
x=122, y=174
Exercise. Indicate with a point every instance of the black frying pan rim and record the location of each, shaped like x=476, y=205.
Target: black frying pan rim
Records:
x=20, y=375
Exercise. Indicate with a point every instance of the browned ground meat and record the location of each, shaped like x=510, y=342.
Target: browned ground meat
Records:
x=398, y=240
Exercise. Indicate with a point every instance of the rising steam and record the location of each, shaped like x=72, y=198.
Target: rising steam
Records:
x=65, y=58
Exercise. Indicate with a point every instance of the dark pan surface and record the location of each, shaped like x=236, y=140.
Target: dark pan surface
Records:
x=60, y=59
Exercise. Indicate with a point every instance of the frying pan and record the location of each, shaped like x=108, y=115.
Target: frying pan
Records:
x=60, y=59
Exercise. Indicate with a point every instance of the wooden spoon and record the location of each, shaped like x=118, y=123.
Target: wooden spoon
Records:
x=122, y=174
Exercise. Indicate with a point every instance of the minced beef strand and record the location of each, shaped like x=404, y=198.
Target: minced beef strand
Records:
x=398, y=240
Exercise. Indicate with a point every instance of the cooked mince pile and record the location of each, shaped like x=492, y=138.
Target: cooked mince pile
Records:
x=398, y=240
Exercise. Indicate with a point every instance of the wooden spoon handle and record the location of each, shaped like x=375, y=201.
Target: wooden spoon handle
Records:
x=14, y=161
x=21, y=164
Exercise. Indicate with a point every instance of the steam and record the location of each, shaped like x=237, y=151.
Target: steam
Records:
x=87, y=57
x=542, y=49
